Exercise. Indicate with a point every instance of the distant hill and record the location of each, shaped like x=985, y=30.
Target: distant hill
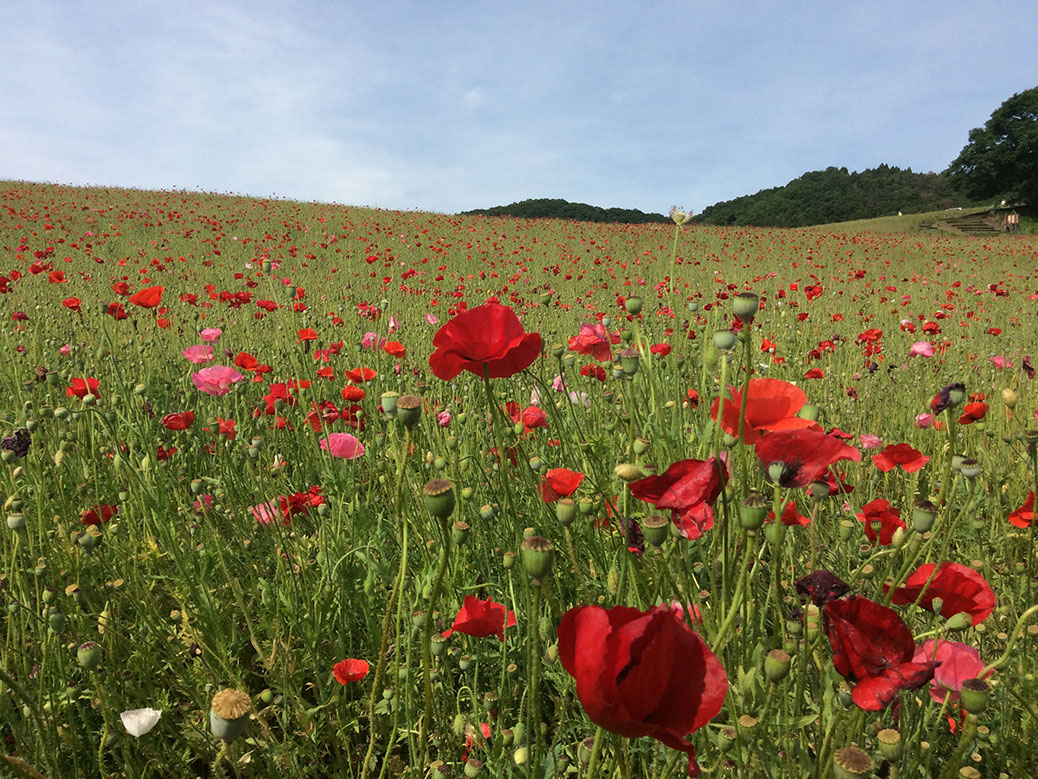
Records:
x=835, y=195
x=544, y=208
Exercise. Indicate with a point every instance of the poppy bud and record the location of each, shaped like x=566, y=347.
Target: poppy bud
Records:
x=975, y=695
x=776, y=665
x=890, y=744
x=389, y=400
x=626, y=336
x=775, y=533
x=633, y=305
x=629, y=361
x=1009, y=397
x=724, y=340
x=586, y=506
x=229, y=714
x=818, y=490
x=565, y=510
x=613, y=580
x=508, y=560
x=752, y=511
x=851, y=763
x=809, y=411
x=409, y=410
x=745, y=306
x=520, y=756
x=628, y=472
x=438, y=495
x=538, y=553
x=957, y=622
x=460, y=533
x=655, y=529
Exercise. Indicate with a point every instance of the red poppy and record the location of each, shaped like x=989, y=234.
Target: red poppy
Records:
x=352, y=393
x=531, y=417
x=661, y=349
x=642, y=673
x=559, y=483
x=1023, y=516
x=488, y=337
x=482, y=618
x=351, y=670
x=179, y=421
x=307, y=334
x=121, y=288
x=57, y=277
x=98, y=514
x=116, y=311
x=960, y=589
x=790, y=515
x=360, y=375
x=162, y=453
x=80, y=388
x=394, y=348
x=815, y=373
x=889, y=519
x=772, y=405
x=796, y=458
x=148, y=297
x=973, y=412
x=688, y=488
x=73, y=304
x=873, y=647
x=594, y=340
x=910, y=460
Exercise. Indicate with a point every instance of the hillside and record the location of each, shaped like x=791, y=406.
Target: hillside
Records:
x=836, y=195
x=546, y=208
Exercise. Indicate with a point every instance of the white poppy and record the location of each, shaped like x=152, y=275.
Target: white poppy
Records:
x=140, y=721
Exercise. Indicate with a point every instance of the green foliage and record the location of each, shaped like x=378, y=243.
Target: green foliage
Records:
x=835, y=195
x=1001, y=158
x=546, y=208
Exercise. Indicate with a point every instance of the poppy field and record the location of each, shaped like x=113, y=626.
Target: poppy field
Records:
x=309, y=490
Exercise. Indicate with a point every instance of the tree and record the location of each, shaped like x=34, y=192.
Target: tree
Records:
x=1001, y=158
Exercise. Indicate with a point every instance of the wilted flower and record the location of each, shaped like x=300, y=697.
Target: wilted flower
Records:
x=140, y=721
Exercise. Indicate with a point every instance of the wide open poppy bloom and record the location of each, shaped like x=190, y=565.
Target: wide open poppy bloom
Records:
x=180, y=420
x=343, y=446
x=148, y=297
x=559, y=483
x=880, y=512
x=489, y=336
x=973, y=412
x=594, y=340
x=772, y=404
x=98, y=514
x=958, y=662
x=796, y=458
x=350, y=670
x=80, y=388
x=642, y=673
x=216, y=380
x=73, y=304
x=199, y=354
x=360, y=375
x=1023, y=516
x=482, y=618
x=910, y=460
x=873, y=647
x=960, y=588
x=688, y=488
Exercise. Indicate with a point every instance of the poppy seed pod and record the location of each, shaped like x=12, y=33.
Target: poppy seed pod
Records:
x=460, y=533
x=745, y=306
x=655, y=529
x=851, y=763
x=975, y=695
x=890, y=744
x=88, y=655
x=724, y=340
x=537, y=553
x=629, y=359
x=923, y=515
x=633, y=305
x=565, y=511
x=389, y=400
x=409, y=410
x=1009, y=397
x=753, y=510
x=776, y=665
x=438, y=495
x=229, y=714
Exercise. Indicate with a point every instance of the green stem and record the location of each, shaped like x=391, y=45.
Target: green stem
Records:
x=423, y=728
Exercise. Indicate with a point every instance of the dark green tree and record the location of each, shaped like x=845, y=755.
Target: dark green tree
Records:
x=1001, y=158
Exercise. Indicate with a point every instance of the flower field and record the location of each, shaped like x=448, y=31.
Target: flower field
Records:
x=307, y=490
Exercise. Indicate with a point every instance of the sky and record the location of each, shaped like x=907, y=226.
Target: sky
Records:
x=449, y=106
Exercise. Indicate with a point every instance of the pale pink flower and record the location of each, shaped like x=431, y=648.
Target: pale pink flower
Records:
x=958, y=662
x=431, y=319
x=266, y=513
x=443, y=418
x=343, y=446
x=216, y=380
x=211, y=334
x=65, y=350
x=1001, y=362
x=924, y=421
x=921, y=349
x=558, y=384
x=372, y=340
x=870, y=441
x=199, y=353
x=394, y=324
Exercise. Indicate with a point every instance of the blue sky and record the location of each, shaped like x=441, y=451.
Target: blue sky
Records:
x=455, y=105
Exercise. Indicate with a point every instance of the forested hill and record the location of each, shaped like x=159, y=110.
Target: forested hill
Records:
x=544, y=208
x=834, y=195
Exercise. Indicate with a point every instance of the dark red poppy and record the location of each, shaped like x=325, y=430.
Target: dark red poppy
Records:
x=162, y=453
x=960, y=588
x=360, y=375
x=98, y=514
x=181, y=420
x=821, y=586
x=351, y=670
x=795, y=458
x=642, y=673
x=688, y=488
x=482, y=618
x=80, y=388
x=772, y=404
x=116, y=311
x=874, y=648
x=148, y=297
x=559, y=483
x=490, y=335
x=879, y=512
x=943, y=399
x=815, y=373
x=661, y=349
x=910, y=460
x=1023, y=516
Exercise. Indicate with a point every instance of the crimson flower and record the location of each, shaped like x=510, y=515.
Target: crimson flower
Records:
x=80, y=388
x=1023, y=516
x=148, y=297
x=642, y=673
x=73, y=304
x=350, y=670
x=889, y=519
x=360, y=375
x=116, y=311
x=559, y=483
x=688, y=488
x=973, y=412
x=875, y=649
x=394, y=349
x=910, y=460
x=790, y=515
x=181, y=420
x=487, y=338
x=796, y=458
x=482, y=618
x=772, y=404
x=531, y=417
x=595, y=341
x=98, y=514
x=960, y=589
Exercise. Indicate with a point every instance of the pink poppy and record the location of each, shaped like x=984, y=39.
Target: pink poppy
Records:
x=372, y=340
x=198, y=354
x=1001, y=362
x=923, y=421
x=958, y=663
x=216, y=380
x=870, y=441
x=343, y=446
x=211, y=334
x=921, y=349
x=266, y=513
x=431, y=319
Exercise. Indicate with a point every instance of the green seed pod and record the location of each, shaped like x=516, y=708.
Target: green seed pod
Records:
x=16, y=522
x=389, y=401
x=88, y=655
x=655, y=529
x=460, y=533
x=633, y=305
x=776, y=665
x=565, y=511
x=753, y=510
x=537, y=553
x=438, y=495
x=724, y=341
x=745, y=306
x=409, y=410
x=890, y=745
